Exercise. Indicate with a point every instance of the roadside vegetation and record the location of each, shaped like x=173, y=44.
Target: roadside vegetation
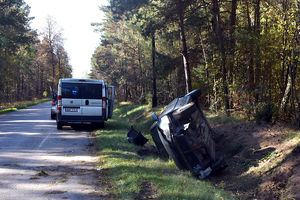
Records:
x=138, y=172
x=262, y=160
x=8, y=107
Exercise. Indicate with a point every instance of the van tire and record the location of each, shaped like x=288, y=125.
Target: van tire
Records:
x=58, y=125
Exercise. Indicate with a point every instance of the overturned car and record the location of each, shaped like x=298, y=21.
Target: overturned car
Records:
x=182, y=132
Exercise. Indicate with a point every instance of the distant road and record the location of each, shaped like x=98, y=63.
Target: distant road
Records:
x=39, y=162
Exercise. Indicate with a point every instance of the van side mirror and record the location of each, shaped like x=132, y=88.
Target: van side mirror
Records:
x=154, y=117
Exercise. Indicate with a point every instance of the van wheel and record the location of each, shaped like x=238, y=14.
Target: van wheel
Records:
x=58, y=125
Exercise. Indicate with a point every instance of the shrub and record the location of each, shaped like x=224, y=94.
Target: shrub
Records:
x=145, y=99
x=266, y=112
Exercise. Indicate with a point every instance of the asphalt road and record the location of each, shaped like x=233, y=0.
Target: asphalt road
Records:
x=39, y=162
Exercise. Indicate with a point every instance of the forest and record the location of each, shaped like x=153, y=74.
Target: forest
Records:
x=30, y=63
x=243, y=55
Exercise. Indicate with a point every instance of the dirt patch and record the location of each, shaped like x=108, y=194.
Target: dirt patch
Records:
x=39, y=174
x=61, y=179
x=262, y=161
x=42, y=173
x=148, y=191
x=285, y=179
x=55, y=192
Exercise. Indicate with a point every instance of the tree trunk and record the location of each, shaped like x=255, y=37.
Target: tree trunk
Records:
x=154, y=96
x=251, y=84
x=232, y=40
x=218, y=32
x=125, y=93
x=206, y=67
x=286, y=93
x=186, y=65
x=141, y=82
x=257, y=53
x=59, y=59
x=53, y=71
x=294, y=71
x=232, y=45
x=215, y=95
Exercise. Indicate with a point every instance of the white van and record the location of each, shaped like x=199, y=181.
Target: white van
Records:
x=83, y=101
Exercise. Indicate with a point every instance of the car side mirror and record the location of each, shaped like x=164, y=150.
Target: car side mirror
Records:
x=54, y=96
x=154, y=117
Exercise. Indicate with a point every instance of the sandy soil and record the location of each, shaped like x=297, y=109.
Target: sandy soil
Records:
x=264, y=161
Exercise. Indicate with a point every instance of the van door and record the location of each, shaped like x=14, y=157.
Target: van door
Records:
x=91, y=101
x=71, y=100
x=110, y=99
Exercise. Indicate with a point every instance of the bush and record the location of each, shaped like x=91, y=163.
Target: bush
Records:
x=266, y=112
x=145, y=99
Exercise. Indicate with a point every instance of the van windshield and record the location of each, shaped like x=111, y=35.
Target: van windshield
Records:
x=81, y=91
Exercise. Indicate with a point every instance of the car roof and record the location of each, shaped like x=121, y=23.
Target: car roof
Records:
x=75, y=80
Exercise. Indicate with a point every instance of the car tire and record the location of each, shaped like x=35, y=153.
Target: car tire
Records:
x=59, y=125
x=53, y=116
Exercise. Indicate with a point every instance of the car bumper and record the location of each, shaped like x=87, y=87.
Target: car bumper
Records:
x=80, y=119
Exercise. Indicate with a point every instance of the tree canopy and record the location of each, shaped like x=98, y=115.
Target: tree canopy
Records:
x=29, y=68
x=241, y=54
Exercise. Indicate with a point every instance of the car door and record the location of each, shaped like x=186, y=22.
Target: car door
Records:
x=110, y=99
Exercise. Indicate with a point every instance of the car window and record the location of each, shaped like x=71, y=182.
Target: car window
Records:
x=175, y=104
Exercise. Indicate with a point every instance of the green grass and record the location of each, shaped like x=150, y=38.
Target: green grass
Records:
x=20, y=105
x=221, y=118
x=126, y=170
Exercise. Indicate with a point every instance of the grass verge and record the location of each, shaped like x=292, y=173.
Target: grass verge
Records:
x=128, y=172
x=20, y=105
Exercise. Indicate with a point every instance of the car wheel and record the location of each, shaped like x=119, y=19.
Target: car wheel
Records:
x=59, y=125
x=53, y=116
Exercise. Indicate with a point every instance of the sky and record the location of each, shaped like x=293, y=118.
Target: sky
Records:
x=74, y=18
